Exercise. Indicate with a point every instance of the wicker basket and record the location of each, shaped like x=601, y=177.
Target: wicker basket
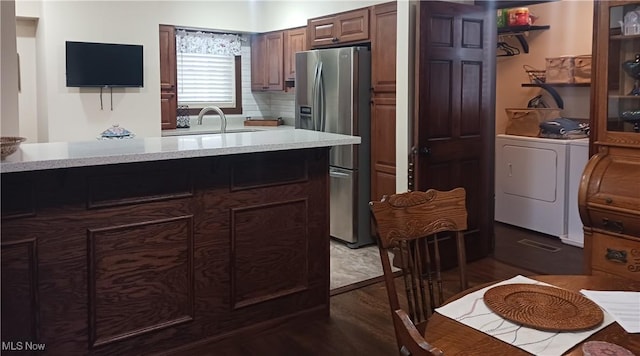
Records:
x=526, y=121
x=9, y=144
x=535, y=75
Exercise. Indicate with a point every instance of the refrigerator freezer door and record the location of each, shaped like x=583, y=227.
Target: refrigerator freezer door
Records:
x=343, y=206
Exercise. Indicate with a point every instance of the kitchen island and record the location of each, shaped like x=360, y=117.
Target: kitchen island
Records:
x=142, y=246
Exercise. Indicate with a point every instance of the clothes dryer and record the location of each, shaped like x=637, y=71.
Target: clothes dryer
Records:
x=532, y=183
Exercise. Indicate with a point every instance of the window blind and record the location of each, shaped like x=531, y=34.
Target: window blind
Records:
x=206, y=79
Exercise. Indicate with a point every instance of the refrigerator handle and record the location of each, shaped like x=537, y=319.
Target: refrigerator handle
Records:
x=322, y=99
x=337, y=174
x=314, y=95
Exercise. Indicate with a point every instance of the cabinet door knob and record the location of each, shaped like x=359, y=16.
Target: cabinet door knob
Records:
x=608, y=200
x=335, y=39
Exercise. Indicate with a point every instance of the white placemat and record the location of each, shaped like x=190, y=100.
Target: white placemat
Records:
x=473, y=312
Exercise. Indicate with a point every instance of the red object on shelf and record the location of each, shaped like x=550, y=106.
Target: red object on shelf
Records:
x=519, y=16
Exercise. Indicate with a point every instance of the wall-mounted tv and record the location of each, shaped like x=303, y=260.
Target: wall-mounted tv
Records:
x=103, y=65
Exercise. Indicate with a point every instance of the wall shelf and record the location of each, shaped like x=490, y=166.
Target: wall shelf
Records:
x=518, y=32
x=558, y=85
x=554, y=94
x=504, y=4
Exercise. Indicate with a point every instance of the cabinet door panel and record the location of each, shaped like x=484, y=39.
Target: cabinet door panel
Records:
x=383, y=48
x=258, y=52
x=167, y=58
x=275, y=77
x=322, y=31
x=383, y=145
x=353, y=26
x=295, y=41
x=168, y=77
x=168, y=107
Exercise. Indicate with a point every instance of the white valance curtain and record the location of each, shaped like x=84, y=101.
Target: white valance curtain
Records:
x=208, y=43
x=206, y=68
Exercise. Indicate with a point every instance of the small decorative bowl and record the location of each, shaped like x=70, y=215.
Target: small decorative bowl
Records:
x=10, y=144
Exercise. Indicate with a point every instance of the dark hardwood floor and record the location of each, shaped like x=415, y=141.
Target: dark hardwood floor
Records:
x=536, y=252
x=360, y=322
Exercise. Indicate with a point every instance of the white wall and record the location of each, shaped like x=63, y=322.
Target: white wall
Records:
x=8, y=70
x=70, y=114
x=283, y=14
x=27, y=97
x=405, y=68
x=570, y=33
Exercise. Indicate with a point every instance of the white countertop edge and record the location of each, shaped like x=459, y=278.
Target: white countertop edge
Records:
x=30, y=157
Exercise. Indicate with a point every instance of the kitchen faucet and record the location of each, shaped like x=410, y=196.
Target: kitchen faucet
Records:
x=223, y=119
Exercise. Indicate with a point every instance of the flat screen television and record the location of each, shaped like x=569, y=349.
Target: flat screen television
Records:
x=103, y=65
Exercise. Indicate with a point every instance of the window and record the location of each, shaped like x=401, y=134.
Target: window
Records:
x=208, y=71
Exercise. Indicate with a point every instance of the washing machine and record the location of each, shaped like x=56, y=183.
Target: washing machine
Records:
x=536, y=184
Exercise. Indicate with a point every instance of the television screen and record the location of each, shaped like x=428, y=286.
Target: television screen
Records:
x=103, y=65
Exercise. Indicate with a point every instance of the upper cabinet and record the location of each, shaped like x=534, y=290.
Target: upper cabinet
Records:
x=616, y=78
x=267, y=61
x=383, y=47
x=167, y=58
x=295, y=40
x=168, y=94
x=337, y=29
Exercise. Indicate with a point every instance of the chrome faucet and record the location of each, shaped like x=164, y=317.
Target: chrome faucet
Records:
x=223, y=119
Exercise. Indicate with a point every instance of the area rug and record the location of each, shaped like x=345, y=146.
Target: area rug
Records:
x=350, y=266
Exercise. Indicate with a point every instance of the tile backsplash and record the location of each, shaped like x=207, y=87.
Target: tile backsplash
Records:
x=263, y=104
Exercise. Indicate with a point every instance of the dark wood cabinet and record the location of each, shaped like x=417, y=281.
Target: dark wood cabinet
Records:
x=383, y=47
x=383, y=145
x=295, y=40
x=609, y=193
x=154, y=257
x=168, y=77
x=338, y=29
x=383, y=103
x=258, y=51
x=168, y=109
x=267, y=63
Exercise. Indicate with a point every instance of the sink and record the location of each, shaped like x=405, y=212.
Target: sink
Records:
x=205, y=132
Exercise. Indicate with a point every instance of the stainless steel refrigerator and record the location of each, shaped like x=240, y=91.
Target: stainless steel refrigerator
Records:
x=333, y=89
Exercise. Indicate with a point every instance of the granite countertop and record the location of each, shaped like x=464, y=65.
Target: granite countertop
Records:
x=54, y=155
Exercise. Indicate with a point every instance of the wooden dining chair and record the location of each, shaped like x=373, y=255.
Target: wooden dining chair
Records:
x=410, y=226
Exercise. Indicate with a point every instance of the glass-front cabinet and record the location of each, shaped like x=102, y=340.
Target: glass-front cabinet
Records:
x=616, y=90
x=609, y=191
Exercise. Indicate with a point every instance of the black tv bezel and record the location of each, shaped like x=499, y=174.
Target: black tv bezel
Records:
x=141, y=47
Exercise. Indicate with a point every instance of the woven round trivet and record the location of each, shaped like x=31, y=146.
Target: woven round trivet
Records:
x=543, y=307
x=603, y=348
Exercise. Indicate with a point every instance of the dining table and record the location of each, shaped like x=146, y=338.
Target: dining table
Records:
x=455, y=338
